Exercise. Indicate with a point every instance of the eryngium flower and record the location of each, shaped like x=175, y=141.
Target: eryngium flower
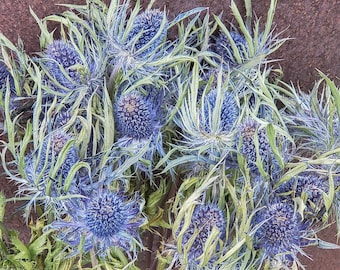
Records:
x=281, y=234
x=312, y=184
x=61, y=59
x=103, y=220
x=4, y=76
x=136, y=116
x=229, y=110
x=248, y=132
x=224, y=48
x=203, y=220
x=44, y=160
x=148, y=26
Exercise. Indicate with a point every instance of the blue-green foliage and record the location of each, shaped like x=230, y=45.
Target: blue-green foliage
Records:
x=128, y=133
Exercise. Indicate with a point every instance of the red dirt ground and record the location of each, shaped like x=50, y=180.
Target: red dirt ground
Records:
x=313, y=25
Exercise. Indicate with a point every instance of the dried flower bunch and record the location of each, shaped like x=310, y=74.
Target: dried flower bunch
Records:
x=132, y=151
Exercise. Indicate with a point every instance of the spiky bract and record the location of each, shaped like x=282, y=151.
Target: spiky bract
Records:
x=104, y=220
x=312, y=118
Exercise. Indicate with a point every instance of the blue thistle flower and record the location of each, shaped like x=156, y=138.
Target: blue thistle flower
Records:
x=61, y=57
x=310, y=183
x=4, y=76
x=43, y=187
x=203, y=220
x=40, y=164
x=62, y=118
x=247, y=133
x=147, y=26
x=281, y=234
x=223, y=47
x=136, y=116
x=104, y=220
x=229, y=110
x=210, y=74
x=313, y=120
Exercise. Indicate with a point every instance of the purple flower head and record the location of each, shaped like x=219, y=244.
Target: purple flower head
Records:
x=105, y=220
x=136, y=116
x=61, y=59
x=311, y=184
x=45, y=183
x=4, y=76
x=62, y=118
x=147, y=26
x=44, y=159
x=281, y=234
x=229, y=110
x=210, y=74
x=223, y=47
x=247, y=134
x=203, y=220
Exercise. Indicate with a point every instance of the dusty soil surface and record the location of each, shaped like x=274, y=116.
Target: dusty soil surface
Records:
x=313, y=25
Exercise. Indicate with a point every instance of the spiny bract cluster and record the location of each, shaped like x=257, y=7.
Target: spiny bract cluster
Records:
x=133, y=150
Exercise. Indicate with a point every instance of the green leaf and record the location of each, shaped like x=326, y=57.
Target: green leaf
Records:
x=23, y=251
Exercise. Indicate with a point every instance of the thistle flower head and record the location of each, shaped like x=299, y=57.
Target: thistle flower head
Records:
x=105, y=220
x=4, y=76
x=313, y=120
x=136, y=116
x=61, y=119
x=281, y=234
x=40, y=164
x=147, y=26
x=203, y=220
x=229, y=110
x=44, y=187
x=223, y=47
x=312, y=184
x=61, y=58
x=248, y=132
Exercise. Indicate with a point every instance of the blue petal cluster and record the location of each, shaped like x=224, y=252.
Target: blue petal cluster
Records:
x=223, y=46
x=105, y=220
x=45, y=158
x=136, y=116
x=61, y=119
x=4, y=76
x=229, y=110
x=146, y=26
x=281, y=234
x=247, y=134
x=204, y=219
x=309, y=183
x=61, y=57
